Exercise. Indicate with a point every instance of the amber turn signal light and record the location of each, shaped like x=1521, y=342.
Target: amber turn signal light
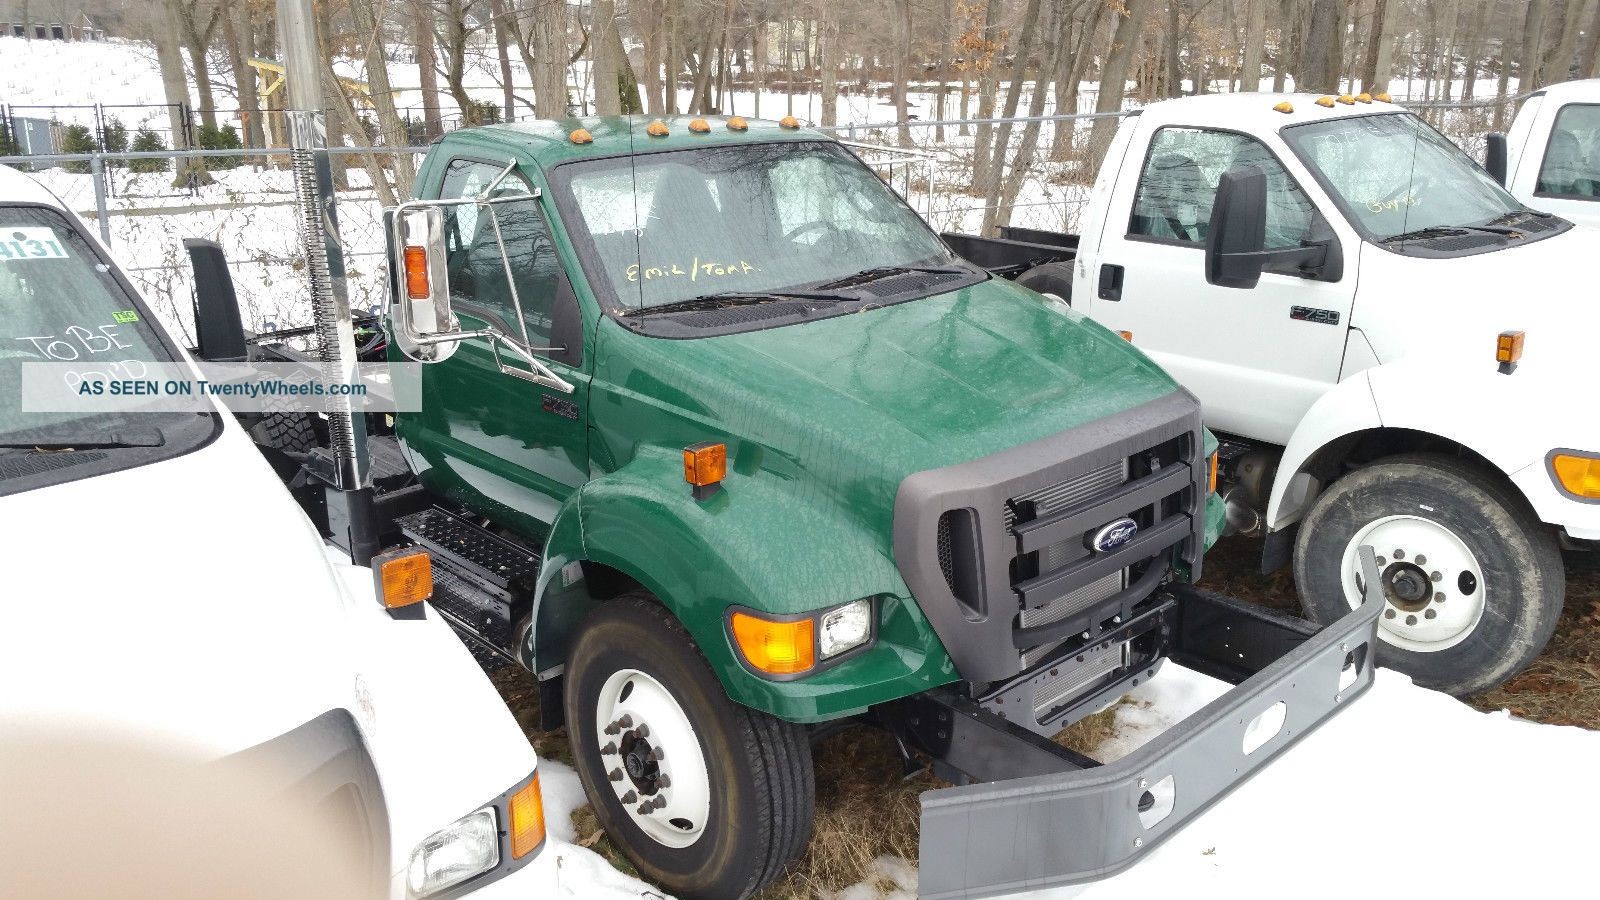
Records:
x=1508, y=350
x=403, y=577
x=704, y=467
x=1578, y=474
x=417, y=282
x=1212, y=477
x=776, y=648
x=1126, y=335
x=527, y=819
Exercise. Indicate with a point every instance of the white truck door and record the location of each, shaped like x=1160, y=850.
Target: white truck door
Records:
x=1558, y=170
x=1257, y=358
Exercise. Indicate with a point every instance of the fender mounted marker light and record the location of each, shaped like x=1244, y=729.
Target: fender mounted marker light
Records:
x=527, y=819
x=704, y=467
x=700, y=126
x=738, y=123
x=581, y=136
x=1284, y=107
x=657, y=128
x=1126, y=335
x=789, y=122
x=1508, y=350
x=1325, y=102
x=418, y=285
x=776, y=648
x=1578, y=473
x=403, y=579
x=1211, y=477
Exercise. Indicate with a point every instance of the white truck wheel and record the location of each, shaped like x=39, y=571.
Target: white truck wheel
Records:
x=1473, y=581
x=707, y=797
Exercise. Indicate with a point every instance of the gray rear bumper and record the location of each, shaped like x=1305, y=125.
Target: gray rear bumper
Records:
x=1076, y=826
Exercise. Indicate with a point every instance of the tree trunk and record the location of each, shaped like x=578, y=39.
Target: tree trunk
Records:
x=988, y=83
x=1174, y=73
x=607, y=75
x=1067, y=86
x=391, y=131
x=1114, y=74
x=673, y=64
x=700, y=102
x=502, y=24
x=1320, y=69
x=241, y=46
x=1255, y=39
x=1591, y=50
x=174, y=84
x=544, y=52
x=427, y=67
x=195, y=40
x=830, y=64
x=902, y=66
x=1558, y=65
x=999, y=212
x=1473, y=50
x=1529, y=69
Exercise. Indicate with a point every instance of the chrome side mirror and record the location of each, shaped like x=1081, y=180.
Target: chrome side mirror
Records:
x=425, y=323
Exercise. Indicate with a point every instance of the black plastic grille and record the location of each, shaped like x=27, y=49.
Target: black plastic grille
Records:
x=946, y=560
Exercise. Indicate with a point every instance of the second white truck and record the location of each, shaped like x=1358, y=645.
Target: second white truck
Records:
x=1394, y=349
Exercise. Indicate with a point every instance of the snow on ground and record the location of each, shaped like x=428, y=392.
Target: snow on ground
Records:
x=1407, y=792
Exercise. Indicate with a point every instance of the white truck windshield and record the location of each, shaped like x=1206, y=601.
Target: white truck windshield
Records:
x=664, y=228
x=1395, y=176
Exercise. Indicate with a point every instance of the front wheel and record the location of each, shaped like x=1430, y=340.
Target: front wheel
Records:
x=708, y=798
x=1473, y=583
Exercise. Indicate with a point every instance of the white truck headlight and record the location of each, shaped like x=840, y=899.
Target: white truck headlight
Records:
x=466, y=847
x=844, y=628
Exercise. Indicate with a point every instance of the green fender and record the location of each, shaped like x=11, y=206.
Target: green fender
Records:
x=761, y=542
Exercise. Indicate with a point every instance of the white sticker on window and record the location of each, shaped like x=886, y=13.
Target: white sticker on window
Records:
x=18, y=244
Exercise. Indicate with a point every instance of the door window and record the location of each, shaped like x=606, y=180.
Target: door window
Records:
x=478, y=282
x=1571, y=166
x=1179, y=185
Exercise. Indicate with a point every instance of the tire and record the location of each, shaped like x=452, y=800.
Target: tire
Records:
x=1487, y=548
x=289, y=432
x=1051, y=279
x=754, y=771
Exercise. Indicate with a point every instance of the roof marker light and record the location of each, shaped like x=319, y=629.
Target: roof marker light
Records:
x=738, y=123
x=1284, y=107
x=657, y=128
x=700, y=126
x=1363, y=97
x=581, y=136
x=1347, y=100
x=1325, y=102
x=789, y=122
x=1382, y=97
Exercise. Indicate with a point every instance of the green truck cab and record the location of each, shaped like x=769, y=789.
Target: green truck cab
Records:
x=722, y=442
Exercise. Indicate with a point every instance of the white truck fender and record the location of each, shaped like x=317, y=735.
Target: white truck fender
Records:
x=1345, y=410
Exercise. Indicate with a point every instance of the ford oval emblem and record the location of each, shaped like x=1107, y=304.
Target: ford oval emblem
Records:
x=1114, y=535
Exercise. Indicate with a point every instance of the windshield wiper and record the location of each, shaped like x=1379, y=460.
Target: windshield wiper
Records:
x=1434, y=231
x=733, y=298
x=878, y=272
x=148, y=437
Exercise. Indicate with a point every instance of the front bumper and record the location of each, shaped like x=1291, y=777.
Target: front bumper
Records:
x=1059, y=818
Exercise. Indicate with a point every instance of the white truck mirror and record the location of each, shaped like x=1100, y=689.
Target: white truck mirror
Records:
x=425, y=323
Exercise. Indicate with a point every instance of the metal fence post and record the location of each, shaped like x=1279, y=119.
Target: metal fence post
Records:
x=97, y=168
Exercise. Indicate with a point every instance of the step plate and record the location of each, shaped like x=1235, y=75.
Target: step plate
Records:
x=479, y=555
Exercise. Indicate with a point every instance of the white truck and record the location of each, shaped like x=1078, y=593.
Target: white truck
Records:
x=163, y=590
x=1550, y=158
x=1349, y=295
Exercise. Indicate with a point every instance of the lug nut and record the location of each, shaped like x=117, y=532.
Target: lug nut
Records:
x=625, y=722
x=1388, y=614
x=643, y=730
x=1421, y=560
x=615, y=775
x=658, y=754
x=659, y=802
x=1381, y=562
x=1411, y=620
x=663, y=780
x=1439, y=597
x=609, y=749
x=644, y=809
x=1434, y=576
x=629, y=797
x=1399, y=554
x=1430, y=613
x=612, y=728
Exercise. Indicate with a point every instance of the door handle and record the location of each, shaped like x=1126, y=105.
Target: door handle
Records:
x=1110, y=282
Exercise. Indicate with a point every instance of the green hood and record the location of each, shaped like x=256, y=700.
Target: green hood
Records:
x=878, y=394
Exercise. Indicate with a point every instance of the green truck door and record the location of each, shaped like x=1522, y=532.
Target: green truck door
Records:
x=492, y=440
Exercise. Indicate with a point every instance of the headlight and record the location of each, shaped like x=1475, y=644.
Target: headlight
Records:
x=1578, y=473
x=795, y=645
x=845, y=628
x=467, y=847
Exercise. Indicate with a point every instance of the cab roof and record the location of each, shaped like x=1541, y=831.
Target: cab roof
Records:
x=1256, y=113
x=16, y=187
x=549, y=141
x=1586, y=89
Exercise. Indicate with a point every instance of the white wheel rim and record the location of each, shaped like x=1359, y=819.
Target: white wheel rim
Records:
x=1411, y=549
x=652, y=758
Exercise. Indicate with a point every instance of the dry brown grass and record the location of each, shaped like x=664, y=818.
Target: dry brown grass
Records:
x=867, y=807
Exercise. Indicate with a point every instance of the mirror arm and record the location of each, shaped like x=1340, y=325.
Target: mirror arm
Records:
x=541, y=374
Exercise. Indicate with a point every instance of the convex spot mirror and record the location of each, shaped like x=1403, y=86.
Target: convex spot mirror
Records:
x=422, y=290
x=1236, y=251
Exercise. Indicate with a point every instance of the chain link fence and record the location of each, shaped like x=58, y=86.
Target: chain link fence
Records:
x=1041, y=178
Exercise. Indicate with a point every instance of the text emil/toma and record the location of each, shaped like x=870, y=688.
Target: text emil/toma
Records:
x=695, y=272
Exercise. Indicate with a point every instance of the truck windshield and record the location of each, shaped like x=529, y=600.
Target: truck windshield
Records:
x=59, y=302
x=665, y=228
x=1396, y=177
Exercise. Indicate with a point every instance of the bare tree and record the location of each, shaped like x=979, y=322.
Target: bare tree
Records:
x=1255, y=41
x=1114, y=74
x=175, y=85
x=422, y=24
x=828, y=34
x=902, y=63
x=1319, y=70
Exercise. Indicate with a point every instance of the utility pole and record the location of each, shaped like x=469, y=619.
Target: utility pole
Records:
x=345, y=472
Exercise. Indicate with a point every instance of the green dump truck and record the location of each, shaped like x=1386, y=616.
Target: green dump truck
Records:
x=722, y=442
